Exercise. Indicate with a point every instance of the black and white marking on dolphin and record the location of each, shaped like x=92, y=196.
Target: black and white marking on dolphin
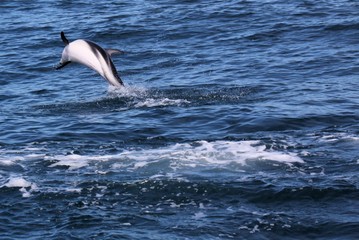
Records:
x=91, y=55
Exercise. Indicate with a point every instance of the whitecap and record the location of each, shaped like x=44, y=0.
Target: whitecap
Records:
x=7, y=162
x=336, y=137
x=183, y=155
x=26, y=187
x=17, y=182
x=74, y=161
x=204, y=153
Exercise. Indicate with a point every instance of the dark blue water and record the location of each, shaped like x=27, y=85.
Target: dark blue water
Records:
x=239, y=120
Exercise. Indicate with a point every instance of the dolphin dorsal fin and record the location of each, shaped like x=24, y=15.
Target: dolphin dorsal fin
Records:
x=64, y=39
x=111, y=51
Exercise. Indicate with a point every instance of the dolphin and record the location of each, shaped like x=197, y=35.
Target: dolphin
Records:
x=91, y=55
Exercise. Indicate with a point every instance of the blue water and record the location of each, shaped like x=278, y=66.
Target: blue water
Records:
x=239, y=120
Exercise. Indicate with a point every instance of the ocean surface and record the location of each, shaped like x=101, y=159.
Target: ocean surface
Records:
x=239, y=119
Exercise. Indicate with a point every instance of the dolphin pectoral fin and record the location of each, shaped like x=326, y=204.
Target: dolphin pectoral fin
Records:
x=61, y=65
x=64, y=39
x=114, y=51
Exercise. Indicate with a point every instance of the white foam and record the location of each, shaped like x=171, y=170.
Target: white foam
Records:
x=340, y=136
x=17, y=182
x=160, y=102
x=74, y=161
x=25, y=186
x=223, y=152
x=200, y=153
x=140, y=164
x=215, y=153
x=11, y=157
x=6, y=162
x=140, y=97
x=74, y=190
x=10, y=160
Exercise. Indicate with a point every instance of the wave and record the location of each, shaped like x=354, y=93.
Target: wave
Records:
x=197, y=154
x=133, y=97
x=221, y=153
x=167, y=162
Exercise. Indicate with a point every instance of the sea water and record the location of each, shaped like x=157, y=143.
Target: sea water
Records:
x=238, y=120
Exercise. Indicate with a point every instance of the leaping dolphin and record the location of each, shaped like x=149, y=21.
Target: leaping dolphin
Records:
x=91, y=55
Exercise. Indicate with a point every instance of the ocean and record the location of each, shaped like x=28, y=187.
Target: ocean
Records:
x=239, y=119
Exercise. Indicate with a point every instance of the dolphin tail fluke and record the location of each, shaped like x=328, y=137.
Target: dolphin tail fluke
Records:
x=64, y=39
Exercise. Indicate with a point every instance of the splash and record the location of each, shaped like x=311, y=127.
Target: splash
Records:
x=75, y=161
x=214, y=153
x=151, y=102
x=25, y=187
x=139, y=97
x=128, y=92
x=195, y=154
